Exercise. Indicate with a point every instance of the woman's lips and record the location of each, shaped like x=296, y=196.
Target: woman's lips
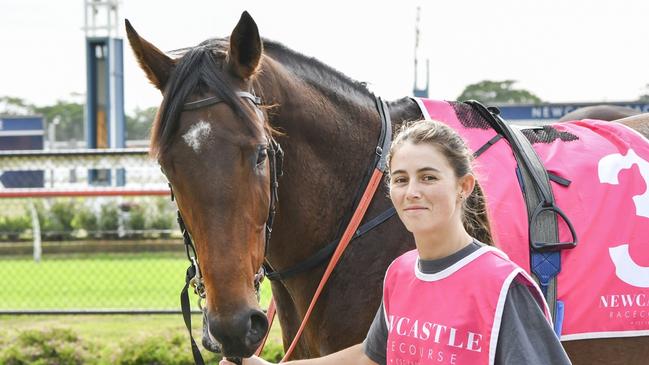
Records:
x=414, y=208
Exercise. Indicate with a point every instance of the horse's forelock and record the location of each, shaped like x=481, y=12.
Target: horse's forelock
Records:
x=196, y=72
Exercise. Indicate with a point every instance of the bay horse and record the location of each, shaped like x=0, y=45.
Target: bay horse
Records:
x=601, y=112
x=215, y=155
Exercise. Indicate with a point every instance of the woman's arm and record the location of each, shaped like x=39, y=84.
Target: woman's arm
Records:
x=350, y=355
x=525, y=336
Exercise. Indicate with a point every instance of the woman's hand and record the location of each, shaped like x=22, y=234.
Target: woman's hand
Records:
x=249, y=361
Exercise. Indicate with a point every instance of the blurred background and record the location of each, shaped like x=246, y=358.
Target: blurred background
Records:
x=91, y=259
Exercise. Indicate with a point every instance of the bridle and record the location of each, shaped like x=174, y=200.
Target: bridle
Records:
x=193, y=277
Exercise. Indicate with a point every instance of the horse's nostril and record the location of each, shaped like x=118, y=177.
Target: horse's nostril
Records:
x=239, y=334
x=258, y=326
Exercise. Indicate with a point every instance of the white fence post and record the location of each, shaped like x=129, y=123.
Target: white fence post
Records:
x=36, y=232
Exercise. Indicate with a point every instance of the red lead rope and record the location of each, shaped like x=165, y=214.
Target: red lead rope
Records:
x=270, y=314
x=344, y=241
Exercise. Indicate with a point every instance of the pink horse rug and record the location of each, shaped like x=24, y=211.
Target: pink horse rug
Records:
x=604, y=281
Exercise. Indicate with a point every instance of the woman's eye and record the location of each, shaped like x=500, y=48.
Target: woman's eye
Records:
x=399, y=180
x=429, y=178
x=261, y=156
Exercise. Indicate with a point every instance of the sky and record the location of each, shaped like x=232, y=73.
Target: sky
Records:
x=563, y=51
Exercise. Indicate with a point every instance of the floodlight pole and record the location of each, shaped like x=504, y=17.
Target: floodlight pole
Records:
x=420, y=93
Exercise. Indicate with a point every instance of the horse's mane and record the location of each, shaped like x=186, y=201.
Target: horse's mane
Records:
x=316, y=73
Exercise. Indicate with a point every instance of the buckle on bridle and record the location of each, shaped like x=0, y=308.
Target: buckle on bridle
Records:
x=197, y=281
x=259, y=278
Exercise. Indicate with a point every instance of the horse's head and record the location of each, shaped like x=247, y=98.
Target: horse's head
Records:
x=216, y=149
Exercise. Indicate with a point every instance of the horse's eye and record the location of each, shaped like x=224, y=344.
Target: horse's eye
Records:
x=261, y=156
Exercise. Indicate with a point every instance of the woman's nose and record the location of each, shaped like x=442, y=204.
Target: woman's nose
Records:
x=413, y=191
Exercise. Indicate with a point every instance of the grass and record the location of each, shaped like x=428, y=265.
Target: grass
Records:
x=101, y=281
x=96, y=281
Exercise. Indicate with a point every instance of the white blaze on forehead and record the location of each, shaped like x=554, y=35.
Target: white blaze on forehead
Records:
x=197, y=134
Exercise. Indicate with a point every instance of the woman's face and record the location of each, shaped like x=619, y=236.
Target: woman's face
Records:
x=424, y=188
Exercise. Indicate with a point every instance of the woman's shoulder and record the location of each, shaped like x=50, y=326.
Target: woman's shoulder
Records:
x=403, y=260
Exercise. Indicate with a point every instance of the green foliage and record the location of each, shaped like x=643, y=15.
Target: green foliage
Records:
x=74, y=218
x=136, y=219
x=502, y=92
x=94, y=342
x=69, y=116
x=85, y=219
x=109, y=219
x=11, y=227
x=273, y=352
x=56, y=218
x=63, y=213
x=10, y=105
x=48, y=347
x=160, y=350
x=139, y=124
x=163, y=217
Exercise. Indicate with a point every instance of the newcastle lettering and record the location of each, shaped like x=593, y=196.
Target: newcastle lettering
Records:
x=435, y=332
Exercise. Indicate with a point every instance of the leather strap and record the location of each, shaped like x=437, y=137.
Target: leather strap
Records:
x=187, y=315
x=325, y=253
x=543, y=227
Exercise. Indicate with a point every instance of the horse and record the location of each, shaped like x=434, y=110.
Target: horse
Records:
x=601, y=112
x=214, y=144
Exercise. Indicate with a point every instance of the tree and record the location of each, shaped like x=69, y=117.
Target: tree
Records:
x=69, y=116
x=10, y=105
x=501, y=92
x=138, y=125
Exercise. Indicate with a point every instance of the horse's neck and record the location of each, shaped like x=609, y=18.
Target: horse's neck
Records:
x=330, y=142
x=328, y=149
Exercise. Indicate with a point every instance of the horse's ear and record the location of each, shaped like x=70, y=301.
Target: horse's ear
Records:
x=245, y=47
x=154, y=62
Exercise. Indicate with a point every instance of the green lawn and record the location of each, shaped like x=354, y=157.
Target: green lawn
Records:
x=106, y=281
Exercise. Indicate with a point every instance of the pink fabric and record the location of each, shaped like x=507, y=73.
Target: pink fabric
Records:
x=604, y=281
x=452, y=317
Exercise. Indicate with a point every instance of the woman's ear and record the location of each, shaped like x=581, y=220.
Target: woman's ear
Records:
x=466, y=184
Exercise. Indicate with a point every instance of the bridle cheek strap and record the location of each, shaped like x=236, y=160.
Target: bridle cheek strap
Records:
x=193, y=276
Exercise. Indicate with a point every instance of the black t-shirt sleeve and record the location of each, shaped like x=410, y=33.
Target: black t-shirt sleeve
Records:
x=525, y=336
x=376, y=341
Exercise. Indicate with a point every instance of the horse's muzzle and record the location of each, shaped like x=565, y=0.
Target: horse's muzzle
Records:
x=238, y=335
x=209, y=342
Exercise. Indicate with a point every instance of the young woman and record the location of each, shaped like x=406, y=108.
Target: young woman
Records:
x=453, y=300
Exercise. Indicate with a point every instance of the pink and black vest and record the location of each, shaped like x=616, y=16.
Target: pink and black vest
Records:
x=450, y=317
